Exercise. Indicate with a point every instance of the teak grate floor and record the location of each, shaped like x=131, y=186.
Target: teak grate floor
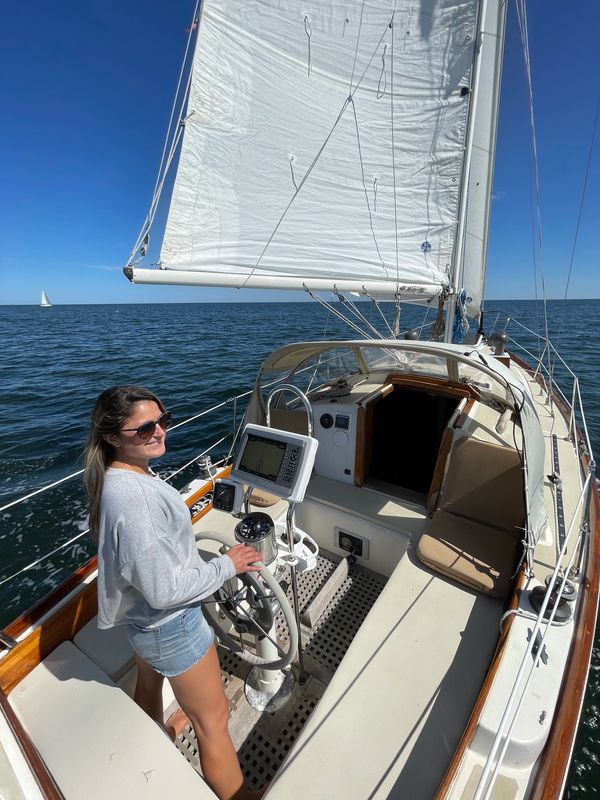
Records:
x=263, y=740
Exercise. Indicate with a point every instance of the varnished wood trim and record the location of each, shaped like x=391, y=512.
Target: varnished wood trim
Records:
x=469, y=731
x=552, y=771
x=364, y=425
x=204, y=490
x=49, y=601
x=381, y=391
x=440, y=468
x=39, y=769
x=61, y=626
x=464, y=415
x=443, y=452
x=359, y=456
x=429, y=384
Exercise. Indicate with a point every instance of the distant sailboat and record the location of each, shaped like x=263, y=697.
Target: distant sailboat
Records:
x=45, y=303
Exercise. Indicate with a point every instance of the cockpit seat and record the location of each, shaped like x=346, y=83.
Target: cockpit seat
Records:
x=95, y=740
x=476, y=533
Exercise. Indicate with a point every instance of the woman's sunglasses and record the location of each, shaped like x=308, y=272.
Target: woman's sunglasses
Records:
x=146, y=429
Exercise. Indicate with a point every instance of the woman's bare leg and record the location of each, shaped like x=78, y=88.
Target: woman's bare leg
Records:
x=148, y=690
x=199, y=692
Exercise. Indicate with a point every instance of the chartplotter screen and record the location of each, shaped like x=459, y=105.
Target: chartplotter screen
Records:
x=262, y=457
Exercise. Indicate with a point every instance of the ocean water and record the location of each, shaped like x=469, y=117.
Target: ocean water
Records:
x=54, y=362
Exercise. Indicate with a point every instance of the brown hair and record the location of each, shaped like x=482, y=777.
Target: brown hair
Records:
x=113, y=407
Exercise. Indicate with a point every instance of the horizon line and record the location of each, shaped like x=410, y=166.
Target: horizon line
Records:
x=274, y=302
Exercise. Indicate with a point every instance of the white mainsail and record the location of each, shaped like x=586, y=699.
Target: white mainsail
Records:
x=325, y=147
x=45, y=302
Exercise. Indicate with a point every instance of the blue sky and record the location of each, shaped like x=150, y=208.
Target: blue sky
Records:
x=86, y=95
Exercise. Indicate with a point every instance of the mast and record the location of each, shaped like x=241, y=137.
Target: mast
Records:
x=476, y=184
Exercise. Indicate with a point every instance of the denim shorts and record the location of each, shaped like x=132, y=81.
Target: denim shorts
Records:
x=175, y=646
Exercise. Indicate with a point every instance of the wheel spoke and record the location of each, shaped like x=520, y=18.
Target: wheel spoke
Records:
x=261, y=629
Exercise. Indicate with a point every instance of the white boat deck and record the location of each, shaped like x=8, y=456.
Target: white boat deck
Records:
x=393, y=714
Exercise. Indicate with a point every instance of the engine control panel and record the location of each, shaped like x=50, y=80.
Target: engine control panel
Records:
x=335, y=428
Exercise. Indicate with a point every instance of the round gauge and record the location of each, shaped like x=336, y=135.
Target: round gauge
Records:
x=340, y=438
x=326, y=420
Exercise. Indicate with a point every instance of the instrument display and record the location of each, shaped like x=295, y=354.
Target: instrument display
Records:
x=278, y=461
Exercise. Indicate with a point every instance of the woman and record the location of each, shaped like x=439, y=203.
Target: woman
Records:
x=151, y=578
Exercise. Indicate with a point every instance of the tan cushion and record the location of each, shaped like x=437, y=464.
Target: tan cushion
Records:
x=109, y=649
x=485, y=483
x=470, y=553
x=263, y=499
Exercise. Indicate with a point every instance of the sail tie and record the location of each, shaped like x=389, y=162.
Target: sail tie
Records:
x=528, y=549
x=292, y=159
x=380, y=91
x=308, y=32
x=461, y=321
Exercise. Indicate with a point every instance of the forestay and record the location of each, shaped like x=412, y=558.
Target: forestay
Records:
x=325, y=146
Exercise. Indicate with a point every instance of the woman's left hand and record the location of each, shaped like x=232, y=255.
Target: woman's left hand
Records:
x=244, y=556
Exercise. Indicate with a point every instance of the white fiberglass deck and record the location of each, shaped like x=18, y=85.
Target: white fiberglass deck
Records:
x=393, y=714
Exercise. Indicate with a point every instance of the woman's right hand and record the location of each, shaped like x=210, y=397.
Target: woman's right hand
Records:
x=244, y=557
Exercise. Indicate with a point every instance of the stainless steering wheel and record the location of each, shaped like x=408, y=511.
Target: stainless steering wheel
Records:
x=245, y=606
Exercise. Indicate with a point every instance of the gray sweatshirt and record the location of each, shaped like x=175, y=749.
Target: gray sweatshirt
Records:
x=148, y=564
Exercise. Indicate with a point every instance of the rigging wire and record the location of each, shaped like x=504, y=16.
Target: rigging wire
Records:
x=383, y=317
x=347, y=301
x=579, y=215
x=362, y=8
x=337, y=313
x=522, y=19
x=160, y=176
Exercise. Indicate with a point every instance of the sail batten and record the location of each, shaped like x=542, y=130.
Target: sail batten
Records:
x=290, y=171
